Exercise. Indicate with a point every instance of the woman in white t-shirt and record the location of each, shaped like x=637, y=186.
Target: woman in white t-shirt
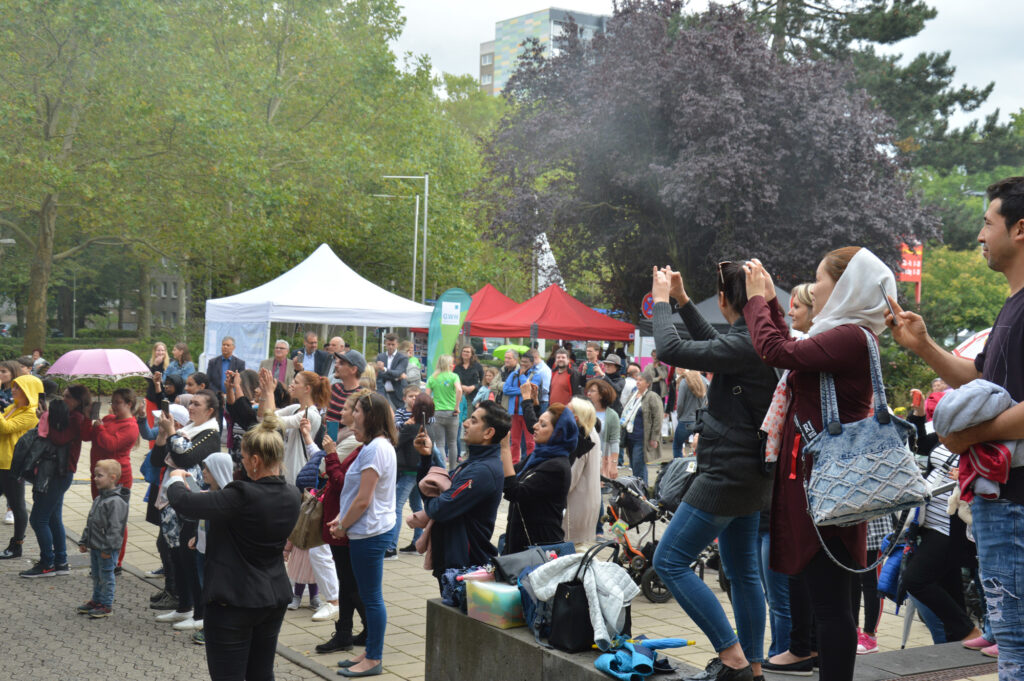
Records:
x=366, y=518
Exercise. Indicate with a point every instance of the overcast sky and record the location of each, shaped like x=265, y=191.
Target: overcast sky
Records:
x=982, y=35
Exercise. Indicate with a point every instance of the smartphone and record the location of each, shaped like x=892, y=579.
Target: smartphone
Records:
x=192, y=484
x=885, y=297
x=165, y=407
x=94, y=413
x=423, y=421
x=916, y=397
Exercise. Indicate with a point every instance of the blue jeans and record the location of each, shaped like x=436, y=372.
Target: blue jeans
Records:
x=405, y=488
x=368, y=567
x=680, y=438
x=776, y=590
x=47, y=521
x=999, y=531
x=931, y=621
x=686, y=536
x=637, y=463
x=103, y=579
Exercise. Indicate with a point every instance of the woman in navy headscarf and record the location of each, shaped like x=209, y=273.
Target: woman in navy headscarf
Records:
x=536, y=492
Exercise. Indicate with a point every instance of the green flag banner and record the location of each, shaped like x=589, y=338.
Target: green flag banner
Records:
x=450, y=311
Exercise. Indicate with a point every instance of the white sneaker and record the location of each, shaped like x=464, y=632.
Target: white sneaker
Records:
x=174, y=616
x=326, y=613
x=294, y=605
x=188, y=625
x=9, y=518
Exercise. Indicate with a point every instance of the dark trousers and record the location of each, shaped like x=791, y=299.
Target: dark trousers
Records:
x=170, y=583
x=348, y=593
x=14, y=490
x=241, y=642
x=866, y=583
x=801, y=634
x=829, y=587
x=186, y=572
x=933, y=577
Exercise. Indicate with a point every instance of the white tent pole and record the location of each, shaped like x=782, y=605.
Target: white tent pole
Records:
x=364, y=341
x=426, y=208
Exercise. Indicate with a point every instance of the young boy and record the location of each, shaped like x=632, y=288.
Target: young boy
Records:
x=104, y=531
x=404, y=413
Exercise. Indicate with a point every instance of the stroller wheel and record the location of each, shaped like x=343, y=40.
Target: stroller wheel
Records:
x=653, y=588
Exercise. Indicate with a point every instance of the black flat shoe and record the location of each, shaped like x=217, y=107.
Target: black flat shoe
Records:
x=801, y=668
x=13, y=550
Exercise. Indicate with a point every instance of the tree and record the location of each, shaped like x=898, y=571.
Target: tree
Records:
x=684, y=141
x=959, y=293
x=919, y=95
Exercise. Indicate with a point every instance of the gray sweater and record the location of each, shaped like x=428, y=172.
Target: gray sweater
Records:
x=104, y=529
x=730, y=478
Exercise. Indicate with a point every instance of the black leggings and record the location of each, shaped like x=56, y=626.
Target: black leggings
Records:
x=166, y=559
x=186, y=572
x=933, y=577
x=14, y=490
x=829, y=586
x=241, y=642
x=867, y=584
x=801, y=632
x=349, y=601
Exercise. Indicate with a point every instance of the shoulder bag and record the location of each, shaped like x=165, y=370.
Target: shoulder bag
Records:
x=864, y=469
x=571, y=630
x=306, y=534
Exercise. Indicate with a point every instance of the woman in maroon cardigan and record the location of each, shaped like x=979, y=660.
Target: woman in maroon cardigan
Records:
x=846, y=298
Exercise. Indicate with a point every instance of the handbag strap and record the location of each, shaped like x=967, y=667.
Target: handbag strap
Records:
x=884, y=556
x=588, y=557
x=830, y=403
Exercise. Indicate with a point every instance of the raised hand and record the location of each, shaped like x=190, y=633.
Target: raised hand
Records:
x=908, y=329
x=660, y=285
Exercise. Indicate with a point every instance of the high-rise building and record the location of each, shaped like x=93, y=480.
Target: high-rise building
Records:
x=498, y=57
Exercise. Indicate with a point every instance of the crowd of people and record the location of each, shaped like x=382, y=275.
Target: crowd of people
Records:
x=234, y=450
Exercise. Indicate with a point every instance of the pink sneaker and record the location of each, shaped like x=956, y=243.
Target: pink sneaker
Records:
x=991, y=651
x=866, y=644
x=976, y=643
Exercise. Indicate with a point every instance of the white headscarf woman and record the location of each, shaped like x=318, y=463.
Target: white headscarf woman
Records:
x=857, y=298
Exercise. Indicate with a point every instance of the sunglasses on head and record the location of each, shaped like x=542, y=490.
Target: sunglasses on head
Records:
x=721, y=275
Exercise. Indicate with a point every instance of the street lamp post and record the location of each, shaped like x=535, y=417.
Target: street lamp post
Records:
x=426, y=209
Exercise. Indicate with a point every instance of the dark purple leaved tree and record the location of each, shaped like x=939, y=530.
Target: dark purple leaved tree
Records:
x=681, y=139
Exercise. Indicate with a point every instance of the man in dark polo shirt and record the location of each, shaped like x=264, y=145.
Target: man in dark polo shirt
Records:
x=998, y=523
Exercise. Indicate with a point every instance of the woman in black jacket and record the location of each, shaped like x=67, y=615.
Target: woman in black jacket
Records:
x=246, y=588
x=731, y=486
x=537, y=489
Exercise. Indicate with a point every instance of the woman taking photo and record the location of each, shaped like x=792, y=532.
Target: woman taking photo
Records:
x=181, y=366
x=847, y=300
x=729, y=487
x=185, y=448
x=15, y=421
x=602, y=395
x=366, y=518
x=537, y=489
x=245, y=586
x=310, y=393
x=446, y=389
x=113, y=438
x=65, y=423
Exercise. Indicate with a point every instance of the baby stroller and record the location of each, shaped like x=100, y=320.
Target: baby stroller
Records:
x=629, y=503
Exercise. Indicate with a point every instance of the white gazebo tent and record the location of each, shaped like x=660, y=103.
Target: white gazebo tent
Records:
x=320, y=290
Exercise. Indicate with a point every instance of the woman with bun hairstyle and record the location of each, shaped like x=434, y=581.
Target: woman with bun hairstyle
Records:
x=310, y=393
x=245, y=586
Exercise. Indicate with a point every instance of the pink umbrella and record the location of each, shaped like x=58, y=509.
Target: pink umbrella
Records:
x=973, y=346
x=110, y=365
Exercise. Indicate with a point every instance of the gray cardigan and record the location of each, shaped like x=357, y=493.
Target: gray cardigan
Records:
x=730, y=478
x=610, y=432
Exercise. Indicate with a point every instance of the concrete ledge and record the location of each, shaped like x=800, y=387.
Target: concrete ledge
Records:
x=458, y=647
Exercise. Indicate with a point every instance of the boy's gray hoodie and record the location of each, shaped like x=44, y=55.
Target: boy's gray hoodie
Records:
x=104, y=529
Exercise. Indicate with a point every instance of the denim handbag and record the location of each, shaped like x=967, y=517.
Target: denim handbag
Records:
x=864, y=469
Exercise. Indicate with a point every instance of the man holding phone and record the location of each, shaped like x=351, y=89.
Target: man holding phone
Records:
x=465, y=514
x=996, y=521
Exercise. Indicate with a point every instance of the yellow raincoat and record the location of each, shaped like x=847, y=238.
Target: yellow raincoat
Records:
x=16, y=421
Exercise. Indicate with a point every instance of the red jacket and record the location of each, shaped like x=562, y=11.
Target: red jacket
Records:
x=79, y=429
x=114, y=438
x=332, y=492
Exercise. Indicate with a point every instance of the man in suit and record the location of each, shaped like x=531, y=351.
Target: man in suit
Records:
x=219, y=366
x=391, y=366
x=309, y=358
x=279, y=367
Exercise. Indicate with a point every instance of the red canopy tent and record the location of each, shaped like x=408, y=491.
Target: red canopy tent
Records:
x=487, y=302
x=553, y=313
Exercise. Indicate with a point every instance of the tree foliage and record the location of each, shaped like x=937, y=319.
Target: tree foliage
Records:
x=684, y=140
x=959, y=293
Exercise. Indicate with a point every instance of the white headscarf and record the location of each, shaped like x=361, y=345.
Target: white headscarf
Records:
x=221, y=467
x=856, y=299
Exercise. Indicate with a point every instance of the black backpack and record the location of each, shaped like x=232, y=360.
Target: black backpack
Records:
x=38, y=460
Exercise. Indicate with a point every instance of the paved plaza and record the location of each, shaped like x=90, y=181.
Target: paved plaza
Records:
x=43, y=638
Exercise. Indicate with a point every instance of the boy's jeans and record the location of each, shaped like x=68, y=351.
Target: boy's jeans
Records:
x=103, y=579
